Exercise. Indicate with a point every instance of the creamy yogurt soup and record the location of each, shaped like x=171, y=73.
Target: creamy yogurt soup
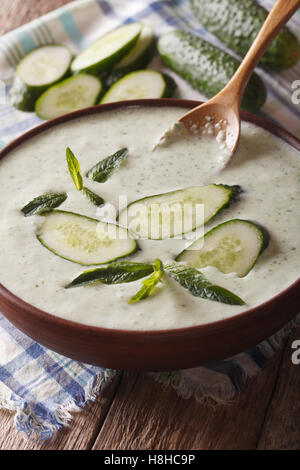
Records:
x=266, y=168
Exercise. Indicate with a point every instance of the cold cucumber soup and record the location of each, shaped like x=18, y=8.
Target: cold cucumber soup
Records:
x=258, y=194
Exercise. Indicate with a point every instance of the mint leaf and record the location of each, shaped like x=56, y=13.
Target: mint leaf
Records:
x=115, y=273
x=193, y=280
x=93, y=197
x=104, y=169
x=149, y=283
x=74, y=169
x=43, y=203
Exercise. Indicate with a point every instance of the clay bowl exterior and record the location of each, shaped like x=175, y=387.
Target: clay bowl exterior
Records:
x=152, y=350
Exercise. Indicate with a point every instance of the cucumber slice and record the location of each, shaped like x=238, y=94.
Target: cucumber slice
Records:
x=141, y=53
x=138, y=58
x=72, y=93
x=107, y=51
x=232, y=247
x=84, y=240
x=170, y=214
x=139, y=85
x=36, y=72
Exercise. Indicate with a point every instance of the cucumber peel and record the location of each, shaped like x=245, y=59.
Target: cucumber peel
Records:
x=231, y=247
x=175, y=213
x=84, y=240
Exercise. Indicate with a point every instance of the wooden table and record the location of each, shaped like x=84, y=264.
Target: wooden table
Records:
x=134, y=412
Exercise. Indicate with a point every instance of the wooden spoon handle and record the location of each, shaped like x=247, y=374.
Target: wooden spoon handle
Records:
x=278, y=16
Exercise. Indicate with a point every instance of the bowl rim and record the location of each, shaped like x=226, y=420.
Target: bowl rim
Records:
x=232, y=322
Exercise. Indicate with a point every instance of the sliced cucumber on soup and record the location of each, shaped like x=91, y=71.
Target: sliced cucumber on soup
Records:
x=69, y=95
x=84, y=240
x=170, y=214
x=107, y=51
x=36, y=72
x=231, y=247
x=142, y=84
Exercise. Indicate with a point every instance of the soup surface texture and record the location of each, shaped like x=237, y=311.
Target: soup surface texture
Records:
x=266, y=168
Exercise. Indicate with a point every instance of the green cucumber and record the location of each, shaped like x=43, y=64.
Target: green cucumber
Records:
x=36, y=72
x=69, y=95
x=231, y=247
x=84, y=240
x=171, y=214
x=140, y=85
x=107, y=51
x=237, y=22
x=138, y=58
x=206, y=67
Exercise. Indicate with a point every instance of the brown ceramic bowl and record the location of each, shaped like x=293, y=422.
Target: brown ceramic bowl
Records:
x=152, y=350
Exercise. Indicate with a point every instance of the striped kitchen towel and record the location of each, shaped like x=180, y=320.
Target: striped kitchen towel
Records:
x=42, y=387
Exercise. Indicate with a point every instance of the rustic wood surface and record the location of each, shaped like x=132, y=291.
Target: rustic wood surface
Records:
x=135, y=412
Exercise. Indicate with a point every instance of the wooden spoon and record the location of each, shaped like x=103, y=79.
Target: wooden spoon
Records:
x=224, y=108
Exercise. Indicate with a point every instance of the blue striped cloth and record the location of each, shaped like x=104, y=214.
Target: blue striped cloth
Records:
x=44, y=388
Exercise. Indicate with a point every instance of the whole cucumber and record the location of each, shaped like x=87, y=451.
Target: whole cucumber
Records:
x=237, y=22
x=206, y=67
